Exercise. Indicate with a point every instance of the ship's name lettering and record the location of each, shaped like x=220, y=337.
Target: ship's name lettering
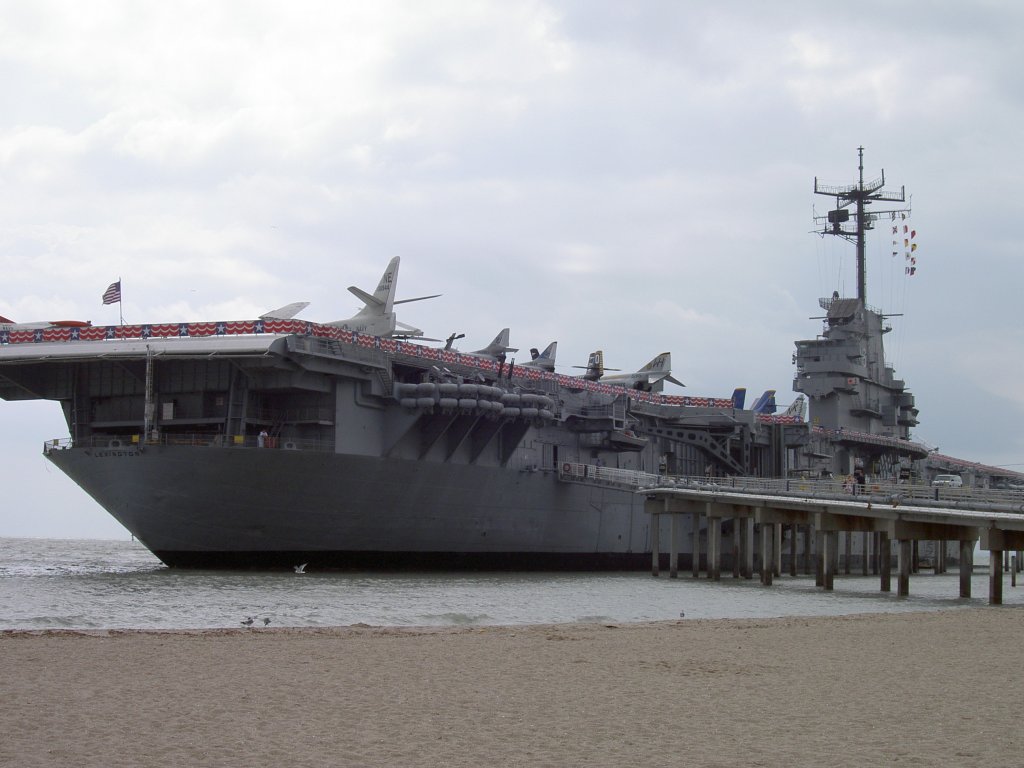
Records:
x=115, y=452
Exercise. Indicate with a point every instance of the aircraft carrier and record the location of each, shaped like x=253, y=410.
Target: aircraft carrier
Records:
x=273, y=442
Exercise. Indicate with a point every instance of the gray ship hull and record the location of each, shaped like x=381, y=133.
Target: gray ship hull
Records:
x=241, y=507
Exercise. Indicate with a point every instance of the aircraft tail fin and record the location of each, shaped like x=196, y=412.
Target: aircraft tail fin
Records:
x=660, y=364
x=383, y=298
x=797, y=408
x=739, y=397
x=765, y=403
x=498, y=347
x=544, y=360
x=595, y=366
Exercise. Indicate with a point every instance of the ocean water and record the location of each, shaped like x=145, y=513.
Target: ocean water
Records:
x=91, y=584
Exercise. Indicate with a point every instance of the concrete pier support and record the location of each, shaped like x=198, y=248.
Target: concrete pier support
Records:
x=736, y=552
x=966, y=566
x=865, y=538
x=819, y=557
x=655, y=542
x=885, y=561
x=824, y=560
x=807, y=549
x=673, y=547
x=997, y=542
x=831, y=559
x=777, y=549
x=792, y=549
x=848, y=552
x=906, y=558
x=995, y=577
x=747, y=546
x=767, y=560
x=714, y=548
x=696, y=545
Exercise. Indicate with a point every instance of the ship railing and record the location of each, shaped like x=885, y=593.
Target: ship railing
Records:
x=591, y=411
x=198, y=440
x=607, y=476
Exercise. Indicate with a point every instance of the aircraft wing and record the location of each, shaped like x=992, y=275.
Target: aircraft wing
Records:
x=367, y=298
x=287, y=312
x=418, y=298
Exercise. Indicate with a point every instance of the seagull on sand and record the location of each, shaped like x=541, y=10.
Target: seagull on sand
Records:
x=301, y=568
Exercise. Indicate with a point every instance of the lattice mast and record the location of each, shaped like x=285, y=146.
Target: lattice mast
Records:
x=859, y=195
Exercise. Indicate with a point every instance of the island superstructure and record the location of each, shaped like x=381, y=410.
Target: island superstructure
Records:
x=863, y=413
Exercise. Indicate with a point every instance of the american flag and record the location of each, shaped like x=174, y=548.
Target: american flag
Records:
x=113, y=294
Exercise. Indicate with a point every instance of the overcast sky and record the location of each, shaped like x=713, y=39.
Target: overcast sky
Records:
x=632, y=177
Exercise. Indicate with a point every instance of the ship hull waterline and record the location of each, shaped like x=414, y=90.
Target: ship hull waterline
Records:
x=205, y=507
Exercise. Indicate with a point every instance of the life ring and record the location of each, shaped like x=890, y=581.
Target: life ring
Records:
x=566, y=468
x=115, y=443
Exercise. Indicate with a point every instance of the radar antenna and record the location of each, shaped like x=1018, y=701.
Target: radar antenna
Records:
x=858, y=195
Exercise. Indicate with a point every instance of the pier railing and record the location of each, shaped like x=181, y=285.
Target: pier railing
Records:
x=881, y=491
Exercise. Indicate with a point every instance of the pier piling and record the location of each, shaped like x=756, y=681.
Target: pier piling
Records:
x=966, y=566
x=906, y=556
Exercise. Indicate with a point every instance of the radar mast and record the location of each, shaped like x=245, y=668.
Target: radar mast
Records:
x=859, y=196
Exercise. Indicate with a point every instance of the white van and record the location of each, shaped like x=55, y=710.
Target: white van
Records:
x=947, y=481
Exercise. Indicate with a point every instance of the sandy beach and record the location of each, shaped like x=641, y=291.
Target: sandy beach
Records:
x=894, y=689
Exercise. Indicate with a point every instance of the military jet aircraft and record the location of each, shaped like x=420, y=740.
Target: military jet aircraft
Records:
x=650, y=378
x=377, y=317
x=7, y=324
x=498, y=348
x=544, y=360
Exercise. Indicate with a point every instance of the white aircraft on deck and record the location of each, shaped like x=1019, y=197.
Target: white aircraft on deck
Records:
x=7, y=324
x=377, y=317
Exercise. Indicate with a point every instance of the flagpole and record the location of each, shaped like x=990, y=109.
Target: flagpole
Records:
x=120, y=293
